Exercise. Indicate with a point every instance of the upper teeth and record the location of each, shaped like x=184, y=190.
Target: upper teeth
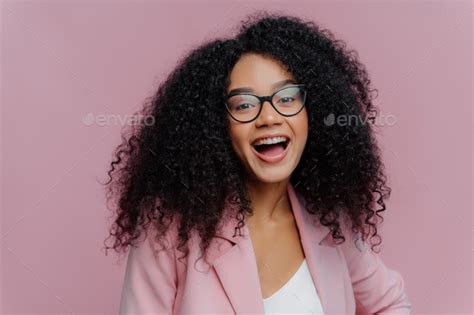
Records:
x=270, y=140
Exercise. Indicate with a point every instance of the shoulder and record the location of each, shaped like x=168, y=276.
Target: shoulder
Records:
x=151, y=278
x=152, y=241
x=352, y=239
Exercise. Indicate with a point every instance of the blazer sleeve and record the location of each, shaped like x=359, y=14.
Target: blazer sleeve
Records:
x=150, y=281
x=377, y=289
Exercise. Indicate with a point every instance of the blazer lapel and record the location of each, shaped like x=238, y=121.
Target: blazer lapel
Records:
x=236, y=267
x=237, y=270
x=322, y=257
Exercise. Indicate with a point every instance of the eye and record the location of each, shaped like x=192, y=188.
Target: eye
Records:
x=286, y=99
x=244, y=106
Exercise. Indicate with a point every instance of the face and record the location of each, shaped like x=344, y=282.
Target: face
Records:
x=259, y=74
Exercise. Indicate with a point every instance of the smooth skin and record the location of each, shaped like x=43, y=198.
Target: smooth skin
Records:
x=273, y=229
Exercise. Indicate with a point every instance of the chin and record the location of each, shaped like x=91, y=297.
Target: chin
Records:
x=271, y=175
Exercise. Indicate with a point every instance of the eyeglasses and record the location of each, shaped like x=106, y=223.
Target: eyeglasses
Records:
x=287, y=101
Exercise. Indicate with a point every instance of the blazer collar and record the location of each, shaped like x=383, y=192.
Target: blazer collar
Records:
x=236, y=267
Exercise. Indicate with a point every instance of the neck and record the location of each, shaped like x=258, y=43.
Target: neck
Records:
x=269, y=201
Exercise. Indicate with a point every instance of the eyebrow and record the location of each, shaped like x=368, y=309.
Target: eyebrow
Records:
x=275, y=86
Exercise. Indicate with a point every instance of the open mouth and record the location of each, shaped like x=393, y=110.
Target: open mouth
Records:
x=275, y=147
x=271, y=150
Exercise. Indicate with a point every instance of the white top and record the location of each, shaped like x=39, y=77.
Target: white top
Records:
x=297, y=296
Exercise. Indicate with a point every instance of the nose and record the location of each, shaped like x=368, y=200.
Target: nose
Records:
x=268, y=115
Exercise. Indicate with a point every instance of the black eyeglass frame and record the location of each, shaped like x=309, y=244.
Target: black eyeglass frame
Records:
x=268, y=98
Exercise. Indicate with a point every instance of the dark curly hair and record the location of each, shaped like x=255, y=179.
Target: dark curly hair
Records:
x=183, y=165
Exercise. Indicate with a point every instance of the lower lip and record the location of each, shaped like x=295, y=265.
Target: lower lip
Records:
x=272, y=159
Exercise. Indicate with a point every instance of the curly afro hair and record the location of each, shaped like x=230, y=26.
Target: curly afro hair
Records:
x=183, y=165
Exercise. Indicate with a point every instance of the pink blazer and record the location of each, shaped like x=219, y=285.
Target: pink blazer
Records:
x=347, y=280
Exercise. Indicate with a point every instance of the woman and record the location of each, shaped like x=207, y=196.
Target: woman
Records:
x=244, y=195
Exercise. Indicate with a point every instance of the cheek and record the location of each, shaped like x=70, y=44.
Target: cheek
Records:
x=238, y=137
x=301, y=126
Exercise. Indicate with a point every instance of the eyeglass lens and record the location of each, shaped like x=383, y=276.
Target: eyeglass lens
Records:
x=287, y=101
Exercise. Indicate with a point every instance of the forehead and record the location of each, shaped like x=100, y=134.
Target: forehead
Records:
x=258, y=73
